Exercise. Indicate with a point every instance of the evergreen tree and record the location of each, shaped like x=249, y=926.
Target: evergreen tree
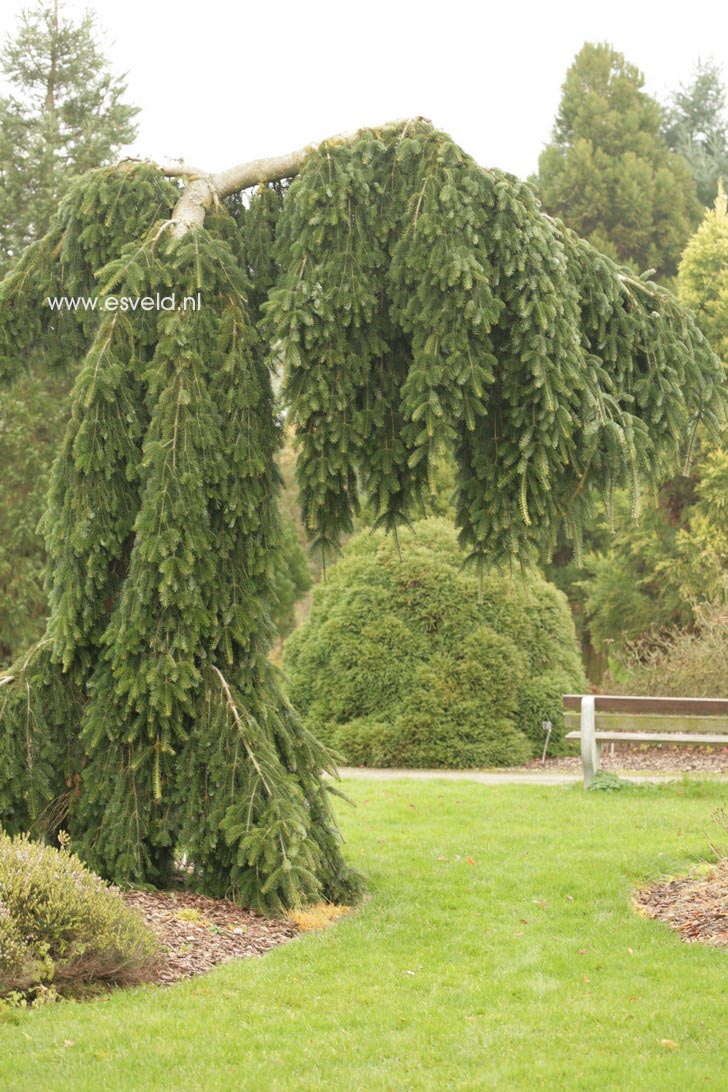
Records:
x=646, y=579
x=702, y=281
x=608, y=171
x=64, y=114
x=696, y=126
x=632, y=586
x=32, y=419
x=416, y=302
x=703, y=286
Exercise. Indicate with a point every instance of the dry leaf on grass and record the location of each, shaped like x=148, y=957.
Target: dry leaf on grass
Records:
x=317, y=916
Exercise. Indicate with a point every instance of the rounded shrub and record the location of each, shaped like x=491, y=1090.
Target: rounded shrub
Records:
x=402, y=662
x=62, y=926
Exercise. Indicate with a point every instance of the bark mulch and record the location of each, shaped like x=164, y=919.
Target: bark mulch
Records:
x=197, y=933
x=696, y=906
x=653, y=757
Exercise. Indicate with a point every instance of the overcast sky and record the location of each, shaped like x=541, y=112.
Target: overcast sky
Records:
x=222, y=82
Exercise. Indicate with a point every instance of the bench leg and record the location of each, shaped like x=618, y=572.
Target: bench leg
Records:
x=589, y=749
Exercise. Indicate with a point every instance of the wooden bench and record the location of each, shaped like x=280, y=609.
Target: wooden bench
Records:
x=597, y=719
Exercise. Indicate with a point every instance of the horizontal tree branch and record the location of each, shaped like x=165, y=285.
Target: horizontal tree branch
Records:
x=182, y=170
x=205, y=189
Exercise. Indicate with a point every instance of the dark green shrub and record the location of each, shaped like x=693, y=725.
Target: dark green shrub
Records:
x=61, y=925
x=541, y=699
x=400, y=664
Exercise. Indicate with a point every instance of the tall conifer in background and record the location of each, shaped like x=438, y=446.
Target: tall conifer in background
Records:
x=64, y=113
x=608, y=171
x=696, y=126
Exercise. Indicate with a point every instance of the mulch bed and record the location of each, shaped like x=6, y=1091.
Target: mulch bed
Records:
x=696, y=906
x=197, y=933
x=660, y=758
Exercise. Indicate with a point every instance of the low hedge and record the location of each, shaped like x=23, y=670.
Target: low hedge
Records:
x=61, y=926
x=400, y=663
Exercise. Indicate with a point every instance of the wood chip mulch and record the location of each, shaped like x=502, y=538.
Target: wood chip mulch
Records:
x=197, y=933
x=653, y=757
x=696, y=906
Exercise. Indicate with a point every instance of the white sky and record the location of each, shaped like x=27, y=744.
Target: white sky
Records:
x=222, y=82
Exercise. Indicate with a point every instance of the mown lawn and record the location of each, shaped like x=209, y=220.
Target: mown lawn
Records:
x=525, y=969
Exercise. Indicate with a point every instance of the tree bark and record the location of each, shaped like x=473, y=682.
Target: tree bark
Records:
x=205, y=190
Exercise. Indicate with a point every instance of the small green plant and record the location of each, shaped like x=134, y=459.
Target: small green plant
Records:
x=607, y=782
x=190, y=914
x=61, y=926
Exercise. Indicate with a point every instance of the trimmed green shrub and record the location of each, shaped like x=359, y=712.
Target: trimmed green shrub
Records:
x=402, y=663
x=61, y=925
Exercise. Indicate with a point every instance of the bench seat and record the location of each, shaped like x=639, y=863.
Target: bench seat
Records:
x=654, y=737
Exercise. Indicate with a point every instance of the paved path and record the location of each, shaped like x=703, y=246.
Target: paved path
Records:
x=511, y=777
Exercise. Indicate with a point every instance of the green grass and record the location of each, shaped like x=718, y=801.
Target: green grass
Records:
x=526, y=969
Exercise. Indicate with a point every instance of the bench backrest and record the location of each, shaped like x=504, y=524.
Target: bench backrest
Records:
x=646, y=714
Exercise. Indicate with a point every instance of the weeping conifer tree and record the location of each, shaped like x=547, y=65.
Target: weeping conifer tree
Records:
x=415, y=302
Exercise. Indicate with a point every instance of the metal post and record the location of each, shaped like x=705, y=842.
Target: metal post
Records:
x=547, y=726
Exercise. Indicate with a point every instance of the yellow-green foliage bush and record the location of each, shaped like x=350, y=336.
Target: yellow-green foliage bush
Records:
x=400, y=664
x=61, y=925
x=689, y=663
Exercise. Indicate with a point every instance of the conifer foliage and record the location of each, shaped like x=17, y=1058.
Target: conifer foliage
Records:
x=415, y=301
x=609, y=171
x=425, y=301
